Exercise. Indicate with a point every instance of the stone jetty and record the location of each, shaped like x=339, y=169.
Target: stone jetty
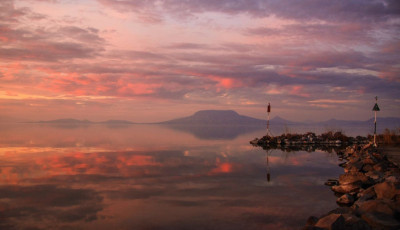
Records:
x=368, y=192
x=308, y=141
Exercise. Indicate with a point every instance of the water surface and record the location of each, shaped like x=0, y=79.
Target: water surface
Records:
x=155, y=177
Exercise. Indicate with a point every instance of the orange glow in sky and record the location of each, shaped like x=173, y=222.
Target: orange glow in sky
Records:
x=148, y=61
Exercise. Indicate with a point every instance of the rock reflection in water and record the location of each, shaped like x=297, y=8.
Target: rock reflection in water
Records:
x=212, y=132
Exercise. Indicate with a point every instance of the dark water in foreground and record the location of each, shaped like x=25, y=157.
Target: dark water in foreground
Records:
x=154, y=177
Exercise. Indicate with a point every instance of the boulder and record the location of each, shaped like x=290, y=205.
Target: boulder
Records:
x=331, y=182
x=381, y=206
x=312, y=220
x=352, y=177
x=366, y=194
x=392, y=179
x=354, y=160
x=311, y=227
x=370, y=160
x=381, y=221
x=352, y=222
x=349, y=150
x=368, y=191
x=385, y=190
x=351, y=168
x=331, y=222
x=366, y=146
x=377, y=176
x=393, y=174
x=364, y=198
x=346, y=199
x=378, y=156
x=367, y=168
x=380, y=167
x=346, y=188
x=341, y=210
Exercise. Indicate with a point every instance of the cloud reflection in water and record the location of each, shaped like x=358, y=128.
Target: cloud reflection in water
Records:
x=150, y=183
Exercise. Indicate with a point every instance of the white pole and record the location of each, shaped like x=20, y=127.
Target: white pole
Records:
x=268, y=111
x=375, y=131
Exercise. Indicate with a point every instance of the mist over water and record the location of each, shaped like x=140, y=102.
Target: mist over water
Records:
x=156, y=177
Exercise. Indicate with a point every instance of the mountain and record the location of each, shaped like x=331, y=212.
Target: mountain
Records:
x=216, y=117
x=335, y=122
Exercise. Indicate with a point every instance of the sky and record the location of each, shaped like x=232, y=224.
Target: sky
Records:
x=154, y=60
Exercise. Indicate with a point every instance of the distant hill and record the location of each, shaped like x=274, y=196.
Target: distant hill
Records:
x=216, y=117
x=280, y=121
x=230, y=117
x=83, y=122
x=116, y=122
x=66, y=121
x=387, y=122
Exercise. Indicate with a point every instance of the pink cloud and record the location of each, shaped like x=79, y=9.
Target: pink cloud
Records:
x=298, y=90
x=132, y=89
x=225, y=82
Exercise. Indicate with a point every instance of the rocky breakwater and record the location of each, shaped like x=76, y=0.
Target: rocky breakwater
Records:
x=308, y=141
x=368, y=193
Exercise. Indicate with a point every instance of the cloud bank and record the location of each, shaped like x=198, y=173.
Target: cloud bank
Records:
x=171, y=58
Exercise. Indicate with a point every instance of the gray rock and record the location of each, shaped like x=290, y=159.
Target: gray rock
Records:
x=381, y=206
x=381, y=221
x=346, y=199
x=369, y=159
x=340, y=210
x=352, y=222
x=367, y=168
x=311, y=227
x=380, y=167
x=377, y=176
x=369, y=192
x=351, y=168
x=385, y=190
x=392, y=179
x=365, y=197
x=352, y=177
x=366, y=146
x=331, y=222
x=331, y=182
x=312, y=220
x=349, y=150
x=346, y=188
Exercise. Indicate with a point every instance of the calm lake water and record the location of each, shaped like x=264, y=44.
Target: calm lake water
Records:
x=156, y=177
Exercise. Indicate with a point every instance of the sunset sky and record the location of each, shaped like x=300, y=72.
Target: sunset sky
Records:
x=153, y=60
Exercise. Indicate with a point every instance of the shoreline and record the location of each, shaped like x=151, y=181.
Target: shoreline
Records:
x=369, y=190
